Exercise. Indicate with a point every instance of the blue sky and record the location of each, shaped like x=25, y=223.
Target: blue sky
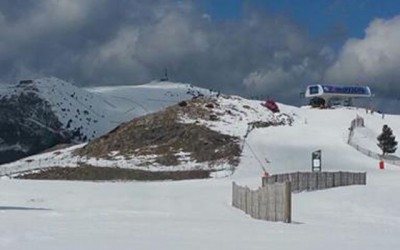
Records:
x=317, y=16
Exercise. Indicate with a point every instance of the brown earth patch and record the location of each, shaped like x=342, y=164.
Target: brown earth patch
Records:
x=163, y=135
x=91, y=173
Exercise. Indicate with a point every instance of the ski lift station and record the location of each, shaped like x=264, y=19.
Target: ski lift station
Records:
x=328, y=94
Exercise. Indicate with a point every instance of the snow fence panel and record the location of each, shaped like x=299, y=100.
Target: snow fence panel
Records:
x=255, y=201
x=321, y=180
x=337, y=179
x=309, y=181
x=350, y=178
x=269, y=200
x=249, y=203
x=313, y=181
x=329, y=180
x=264, y=202
x=272, y=202
x=294, y=181
x=304, y=182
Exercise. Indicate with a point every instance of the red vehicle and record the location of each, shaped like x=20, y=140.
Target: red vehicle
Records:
x=271, y=105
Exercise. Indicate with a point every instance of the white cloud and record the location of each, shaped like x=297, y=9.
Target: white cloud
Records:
x=136, y=50
x=173, y=36
x=44, y=21
x=374, y=59
x=279, y=79
x=115, y=59
x=120, y=49
x=120, y=42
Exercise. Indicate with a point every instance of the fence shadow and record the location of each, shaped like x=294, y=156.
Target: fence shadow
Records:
x=5, y=208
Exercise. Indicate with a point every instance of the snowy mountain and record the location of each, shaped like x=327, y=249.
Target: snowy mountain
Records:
x=205, y=133
x=38, y=114
x=198, y=214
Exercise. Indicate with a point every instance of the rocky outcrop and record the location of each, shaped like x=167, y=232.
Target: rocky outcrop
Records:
x=27, y=126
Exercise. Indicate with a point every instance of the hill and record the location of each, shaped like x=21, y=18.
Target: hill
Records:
x=39, y=114
x=205, y=133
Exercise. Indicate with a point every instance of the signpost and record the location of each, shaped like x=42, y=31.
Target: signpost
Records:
x=316, y=162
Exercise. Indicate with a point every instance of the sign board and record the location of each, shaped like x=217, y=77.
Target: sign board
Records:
x=360, y=90
x=316, y=161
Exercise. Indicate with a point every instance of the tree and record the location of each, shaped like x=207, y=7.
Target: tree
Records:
x=387, y=141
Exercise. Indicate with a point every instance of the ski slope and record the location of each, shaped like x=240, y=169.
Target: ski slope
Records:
x=135, y=100
x=197, y=214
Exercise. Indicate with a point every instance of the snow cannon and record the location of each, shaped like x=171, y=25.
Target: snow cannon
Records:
x=271, y=105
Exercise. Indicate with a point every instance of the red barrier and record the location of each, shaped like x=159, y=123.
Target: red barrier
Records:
x=381, y=164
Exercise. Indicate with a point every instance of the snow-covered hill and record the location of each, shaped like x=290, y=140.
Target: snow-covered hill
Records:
x=197, y=214
x=206, y=133
x=50, y=107
x=97, y=110
x=233, y=116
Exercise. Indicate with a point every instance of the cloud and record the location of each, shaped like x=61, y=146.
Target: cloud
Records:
x=123, y=42
x=371, y=60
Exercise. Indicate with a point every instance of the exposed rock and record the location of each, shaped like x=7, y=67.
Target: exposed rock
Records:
x=213, y=117
x=27, y=126
x=182, y=103
x=260, y=124
x=210, y=105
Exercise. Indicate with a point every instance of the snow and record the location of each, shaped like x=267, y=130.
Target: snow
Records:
x=241, y=113
x=191, y=215
x=234, y=115
x=60, y=158
x=95, y=111
x=197, y=214
x=367, y=136
x=133, y=101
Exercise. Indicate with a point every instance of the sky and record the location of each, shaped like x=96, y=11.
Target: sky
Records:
x=252, y=48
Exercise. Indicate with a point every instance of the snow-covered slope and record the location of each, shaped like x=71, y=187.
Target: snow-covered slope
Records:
x=289, y=148
x=320, y=129
x=126, y=102
x=228, y=115
x=97, y=110
x=198, y=215
x=61, y=109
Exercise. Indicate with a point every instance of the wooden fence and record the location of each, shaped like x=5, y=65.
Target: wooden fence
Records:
x=386, y=158
x=302, y=181
x=271, y=202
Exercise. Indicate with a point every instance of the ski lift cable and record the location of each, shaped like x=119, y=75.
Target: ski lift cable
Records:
x=255, y=156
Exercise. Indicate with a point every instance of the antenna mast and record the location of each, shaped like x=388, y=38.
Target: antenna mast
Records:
x=165, y=78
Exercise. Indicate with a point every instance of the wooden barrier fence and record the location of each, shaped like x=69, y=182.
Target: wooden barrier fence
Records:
x=302, y=181
x=271, y=202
